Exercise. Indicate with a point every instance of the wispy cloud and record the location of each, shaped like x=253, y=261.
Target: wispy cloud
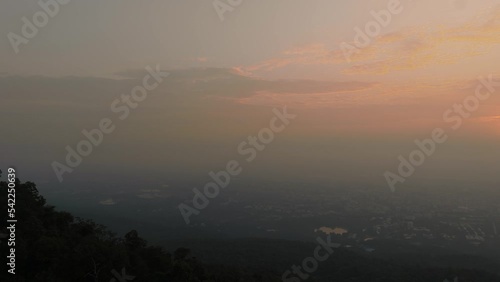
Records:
x=406, y=49
x=429, y=46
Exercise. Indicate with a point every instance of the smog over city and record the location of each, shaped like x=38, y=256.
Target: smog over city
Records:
x=245, y=141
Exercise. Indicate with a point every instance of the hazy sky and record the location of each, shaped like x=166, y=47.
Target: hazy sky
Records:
x=354, y=118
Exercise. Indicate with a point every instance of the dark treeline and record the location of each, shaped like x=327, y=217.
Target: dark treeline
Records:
x=55, y=246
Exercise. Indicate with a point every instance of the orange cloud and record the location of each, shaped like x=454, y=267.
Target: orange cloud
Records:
x=313, y=54
x=414, y=49
x=408, y=49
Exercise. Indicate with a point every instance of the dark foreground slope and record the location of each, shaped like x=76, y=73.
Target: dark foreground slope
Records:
x=57, y=247
x=277, y=256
